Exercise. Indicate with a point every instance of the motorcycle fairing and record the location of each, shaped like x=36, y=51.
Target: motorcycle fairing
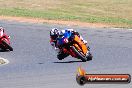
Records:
x=80, y=45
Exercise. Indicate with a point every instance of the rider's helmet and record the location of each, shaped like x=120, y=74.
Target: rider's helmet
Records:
x=54, y=33
x=61, y=33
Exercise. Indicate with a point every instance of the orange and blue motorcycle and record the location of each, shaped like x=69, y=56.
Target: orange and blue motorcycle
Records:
x=72, y=45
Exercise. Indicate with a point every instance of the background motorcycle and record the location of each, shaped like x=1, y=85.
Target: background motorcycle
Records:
x=74, y=46
x=5, y=41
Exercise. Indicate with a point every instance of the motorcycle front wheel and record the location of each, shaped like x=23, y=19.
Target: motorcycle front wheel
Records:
x=79, y=55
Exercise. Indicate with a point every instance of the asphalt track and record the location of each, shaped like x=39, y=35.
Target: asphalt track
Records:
x=33, y=63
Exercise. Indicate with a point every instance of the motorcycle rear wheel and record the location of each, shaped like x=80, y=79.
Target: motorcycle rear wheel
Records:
x=7, y=45
x=62, y=55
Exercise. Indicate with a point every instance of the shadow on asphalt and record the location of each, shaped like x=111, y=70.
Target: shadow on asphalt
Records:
x=4, y=50
x=68, y=62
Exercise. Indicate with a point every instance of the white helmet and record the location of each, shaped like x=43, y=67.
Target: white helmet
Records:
x=61, y=33
x=54, y=33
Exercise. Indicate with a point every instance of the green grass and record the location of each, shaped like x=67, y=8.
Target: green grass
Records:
x=115, y=12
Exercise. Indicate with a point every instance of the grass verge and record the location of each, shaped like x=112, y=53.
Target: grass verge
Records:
x=93, y=11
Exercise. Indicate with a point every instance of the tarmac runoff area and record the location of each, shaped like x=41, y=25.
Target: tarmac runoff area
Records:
x=34, y=65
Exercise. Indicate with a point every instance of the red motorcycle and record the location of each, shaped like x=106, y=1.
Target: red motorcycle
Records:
x=5, y=41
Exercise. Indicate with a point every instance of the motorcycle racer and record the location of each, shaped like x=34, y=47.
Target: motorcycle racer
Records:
x=2, y=32
x=55, y=33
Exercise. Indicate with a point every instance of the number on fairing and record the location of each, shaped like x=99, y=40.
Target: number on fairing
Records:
x=66, y=40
